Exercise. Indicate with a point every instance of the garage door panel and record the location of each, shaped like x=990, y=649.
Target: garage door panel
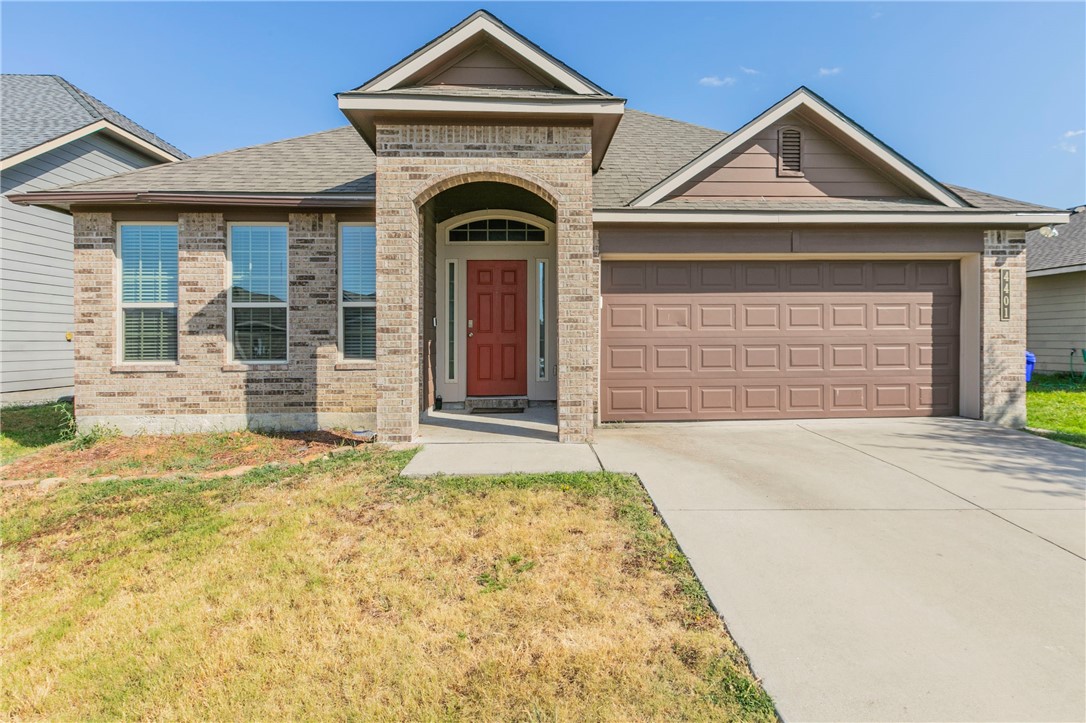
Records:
x=765, y=340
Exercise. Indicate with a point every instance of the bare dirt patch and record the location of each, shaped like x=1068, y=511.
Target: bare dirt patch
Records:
x=184, y=454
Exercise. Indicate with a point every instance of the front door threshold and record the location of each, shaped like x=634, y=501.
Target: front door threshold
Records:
x=515, y=402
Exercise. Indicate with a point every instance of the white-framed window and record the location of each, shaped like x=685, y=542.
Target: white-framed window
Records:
x=358, y=291
x=451, y=268
x=258, y=294
x=497, y=230
x=541, y=277
x=147, y=257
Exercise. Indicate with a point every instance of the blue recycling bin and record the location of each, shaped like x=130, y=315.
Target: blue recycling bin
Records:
x=1031, y=361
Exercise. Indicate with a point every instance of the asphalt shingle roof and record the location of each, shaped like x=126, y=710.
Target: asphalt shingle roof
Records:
x=646, y=149
x=1066, y=249
x=35, y=109
x=335, y=161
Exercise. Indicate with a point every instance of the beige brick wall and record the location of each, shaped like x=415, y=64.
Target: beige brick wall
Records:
x=1003, y=342
x=414, y=164
x=204, y=390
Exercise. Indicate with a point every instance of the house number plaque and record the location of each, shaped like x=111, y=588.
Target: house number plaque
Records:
x=1005, y=294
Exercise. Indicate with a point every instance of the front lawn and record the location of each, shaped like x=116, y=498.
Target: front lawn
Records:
x=1056, y=408
x=40, y=441
x=27, y=429
x=339, y=590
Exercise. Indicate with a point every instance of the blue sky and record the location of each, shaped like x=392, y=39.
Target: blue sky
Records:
x=985, y=95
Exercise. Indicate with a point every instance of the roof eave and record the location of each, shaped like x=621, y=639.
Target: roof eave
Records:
x=66, y=199
x=101, y=125
x=1055, y=270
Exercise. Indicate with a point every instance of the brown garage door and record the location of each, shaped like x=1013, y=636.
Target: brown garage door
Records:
x=778, y=340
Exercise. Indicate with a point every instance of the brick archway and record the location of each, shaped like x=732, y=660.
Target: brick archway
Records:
x=432, y=187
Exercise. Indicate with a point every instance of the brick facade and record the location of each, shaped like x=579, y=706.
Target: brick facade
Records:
x=414, y=164
x=315, y=389
x=1003, y=341
x=204, y=390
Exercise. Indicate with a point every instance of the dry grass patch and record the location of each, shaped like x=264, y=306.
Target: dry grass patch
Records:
x=340, y=590
x=102, y=453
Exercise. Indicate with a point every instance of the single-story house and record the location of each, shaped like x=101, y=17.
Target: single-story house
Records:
x=1056, y=295
x=493, y=224
x=51, y=134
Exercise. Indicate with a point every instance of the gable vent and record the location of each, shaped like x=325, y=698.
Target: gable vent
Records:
x=790, y=152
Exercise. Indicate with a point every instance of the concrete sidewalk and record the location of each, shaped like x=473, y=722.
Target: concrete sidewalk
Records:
x=904, y=570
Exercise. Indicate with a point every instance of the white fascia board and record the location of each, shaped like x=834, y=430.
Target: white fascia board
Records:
x=100, y=125
x=480, y=105
x=993, y=220
x=464, y=35
x=798, y=99
x=1058, y=270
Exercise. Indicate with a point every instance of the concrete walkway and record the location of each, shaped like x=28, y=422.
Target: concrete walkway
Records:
x=915, y=570
x=459, y=443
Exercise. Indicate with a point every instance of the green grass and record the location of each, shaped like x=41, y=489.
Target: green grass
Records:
x=1056, y=408
x=340, y=590
x=27, y=429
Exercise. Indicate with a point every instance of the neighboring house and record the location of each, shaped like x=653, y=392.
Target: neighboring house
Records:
x=51, y=134
x=1056, y=298
x=494, y=224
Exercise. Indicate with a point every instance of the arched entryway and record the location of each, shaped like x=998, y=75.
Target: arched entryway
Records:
x=489, y=299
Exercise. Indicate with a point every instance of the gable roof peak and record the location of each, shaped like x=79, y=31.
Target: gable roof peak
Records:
x=848, y=130
x=479, y=25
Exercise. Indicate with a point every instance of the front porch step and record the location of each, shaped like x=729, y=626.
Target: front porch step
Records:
x=473, y=403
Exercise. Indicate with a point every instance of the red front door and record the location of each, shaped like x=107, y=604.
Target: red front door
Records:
x=497, y=328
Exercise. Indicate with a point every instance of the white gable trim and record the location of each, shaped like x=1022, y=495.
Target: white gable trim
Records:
x=806, y=99
x=101, y=125
x=532, y=56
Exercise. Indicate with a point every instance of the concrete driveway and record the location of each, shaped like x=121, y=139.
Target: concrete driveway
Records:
x=923, y=570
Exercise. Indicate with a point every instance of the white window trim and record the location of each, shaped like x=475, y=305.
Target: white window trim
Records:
x=118, y=356
x=340, y=303
x=452, y=359
x=454, y=223
x=541, y=304
x=230, y=304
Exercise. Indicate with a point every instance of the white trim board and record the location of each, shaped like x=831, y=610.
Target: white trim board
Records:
x=801, y=98
x=482, y=24
x=1031, y=220
x=101, y=125
x=574, y=106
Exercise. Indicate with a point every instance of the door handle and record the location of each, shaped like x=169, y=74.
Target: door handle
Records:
x=471, y=333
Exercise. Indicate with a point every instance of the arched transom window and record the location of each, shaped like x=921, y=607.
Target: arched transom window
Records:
x=497, y=230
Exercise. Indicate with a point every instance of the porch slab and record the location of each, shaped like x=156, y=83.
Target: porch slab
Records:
x=459, y=426
x=501, y=458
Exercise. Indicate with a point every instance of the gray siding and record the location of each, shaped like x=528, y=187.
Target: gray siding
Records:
x=36, y=267
x=1056, y=320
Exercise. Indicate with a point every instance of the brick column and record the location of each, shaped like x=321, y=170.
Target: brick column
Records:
x=1003, y=340
x=95, y=315
x=578, y=272
x=397, y=304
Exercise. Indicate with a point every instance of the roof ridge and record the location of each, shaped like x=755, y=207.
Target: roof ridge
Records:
x=77, y=95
